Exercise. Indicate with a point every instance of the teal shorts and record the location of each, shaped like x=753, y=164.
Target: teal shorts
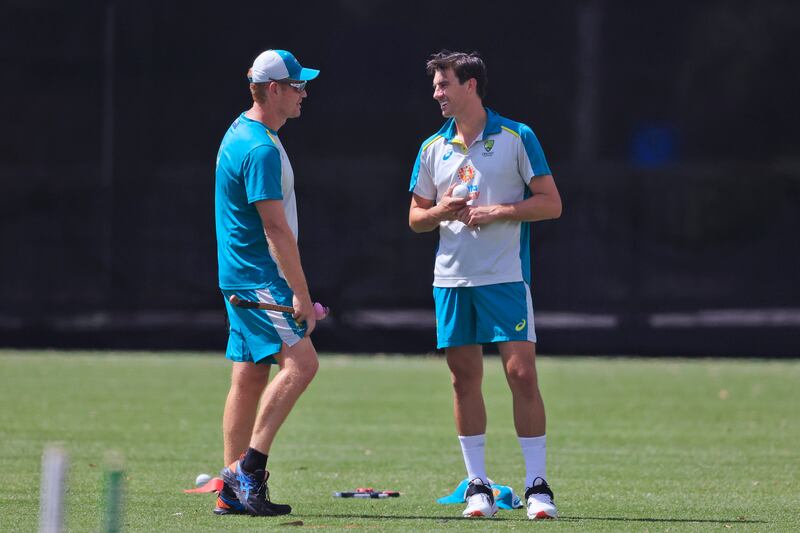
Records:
x=257, y=335
x=484, y=314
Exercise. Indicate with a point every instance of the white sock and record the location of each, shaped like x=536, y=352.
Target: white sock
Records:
x=473, y=447
x=534, y=450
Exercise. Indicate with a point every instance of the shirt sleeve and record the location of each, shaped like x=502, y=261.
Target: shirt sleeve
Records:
x=531, y=156
x=262, y=174
x=421, y=178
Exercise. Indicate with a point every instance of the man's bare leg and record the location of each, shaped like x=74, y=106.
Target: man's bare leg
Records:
x=248, y=381
x=298, y=366
x=519, y=363
x=466, y=370
x=247, y=479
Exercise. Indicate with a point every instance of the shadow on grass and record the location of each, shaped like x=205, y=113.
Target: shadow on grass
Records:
x=525, y=518
x=676, y=520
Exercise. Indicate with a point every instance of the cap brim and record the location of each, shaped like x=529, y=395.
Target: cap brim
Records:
x=307, y=74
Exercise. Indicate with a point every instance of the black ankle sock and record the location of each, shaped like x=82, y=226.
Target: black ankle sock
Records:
x=254, y=460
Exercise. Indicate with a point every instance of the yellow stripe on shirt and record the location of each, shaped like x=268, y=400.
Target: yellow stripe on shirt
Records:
x=431, y=142
x=509, y=130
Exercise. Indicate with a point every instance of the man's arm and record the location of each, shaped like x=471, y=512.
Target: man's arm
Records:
x=284, y=247
x=545, y=204
x=425, y=215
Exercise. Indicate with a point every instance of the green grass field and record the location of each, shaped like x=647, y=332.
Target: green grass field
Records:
x=634, y=445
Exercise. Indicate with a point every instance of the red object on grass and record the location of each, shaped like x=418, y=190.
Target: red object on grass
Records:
x=213, y=485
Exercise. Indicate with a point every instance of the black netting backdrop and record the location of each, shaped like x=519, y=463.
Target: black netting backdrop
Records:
x=681, y=192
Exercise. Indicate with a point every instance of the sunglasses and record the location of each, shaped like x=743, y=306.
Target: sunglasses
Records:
x=299, y=85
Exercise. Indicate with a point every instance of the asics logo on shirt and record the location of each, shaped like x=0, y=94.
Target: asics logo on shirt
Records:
x=447, y=155
x=521, y=325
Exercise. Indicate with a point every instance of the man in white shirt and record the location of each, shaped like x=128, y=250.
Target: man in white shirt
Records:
x=482, y=270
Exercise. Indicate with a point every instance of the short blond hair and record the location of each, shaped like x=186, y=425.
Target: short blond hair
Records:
x=257, y=90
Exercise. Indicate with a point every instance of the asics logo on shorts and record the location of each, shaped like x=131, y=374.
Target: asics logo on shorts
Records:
x=521, y=325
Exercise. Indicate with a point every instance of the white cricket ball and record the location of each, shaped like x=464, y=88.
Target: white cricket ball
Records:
x=201, y=480
x=460, y=191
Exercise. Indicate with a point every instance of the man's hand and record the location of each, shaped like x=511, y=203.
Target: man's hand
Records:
x=543, y=204
x=479, y=215
x=424, y=215
x=304, y=312
x=450, y=208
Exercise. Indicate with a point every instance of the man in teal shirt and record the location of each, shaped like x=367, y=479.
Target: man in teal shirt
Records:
x=256, y=226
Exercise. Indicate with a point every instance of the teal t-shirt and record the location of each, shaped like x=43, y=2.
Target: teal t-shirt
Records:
x=248, y=170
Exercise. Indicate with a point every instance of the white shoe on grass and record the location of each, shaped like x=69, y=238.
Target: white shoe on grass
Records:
x=539, y=500
x=480, y=500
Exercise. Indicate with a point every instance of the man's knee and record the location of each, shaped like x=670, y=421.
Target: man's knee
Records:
x=308, y=370
x=522, y=378
x=302, y=362
x=466, y=378
x=249, y=377
x=466, y=369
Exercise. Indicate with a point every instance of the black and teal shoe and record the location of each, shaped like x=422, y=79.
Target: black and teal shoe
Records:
x=252, y=491
x=228, y=503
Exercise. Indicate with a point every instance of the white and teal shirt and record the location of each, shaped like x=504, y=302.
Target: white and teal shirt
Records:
x=251, y=166
x=499, y=165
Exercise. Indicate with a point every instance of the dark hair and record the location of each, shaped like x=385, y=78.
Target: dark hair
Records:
x=464, y=65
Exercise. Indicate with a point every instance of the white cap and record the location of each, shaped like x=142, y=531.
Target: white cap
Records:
x=274, y=65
